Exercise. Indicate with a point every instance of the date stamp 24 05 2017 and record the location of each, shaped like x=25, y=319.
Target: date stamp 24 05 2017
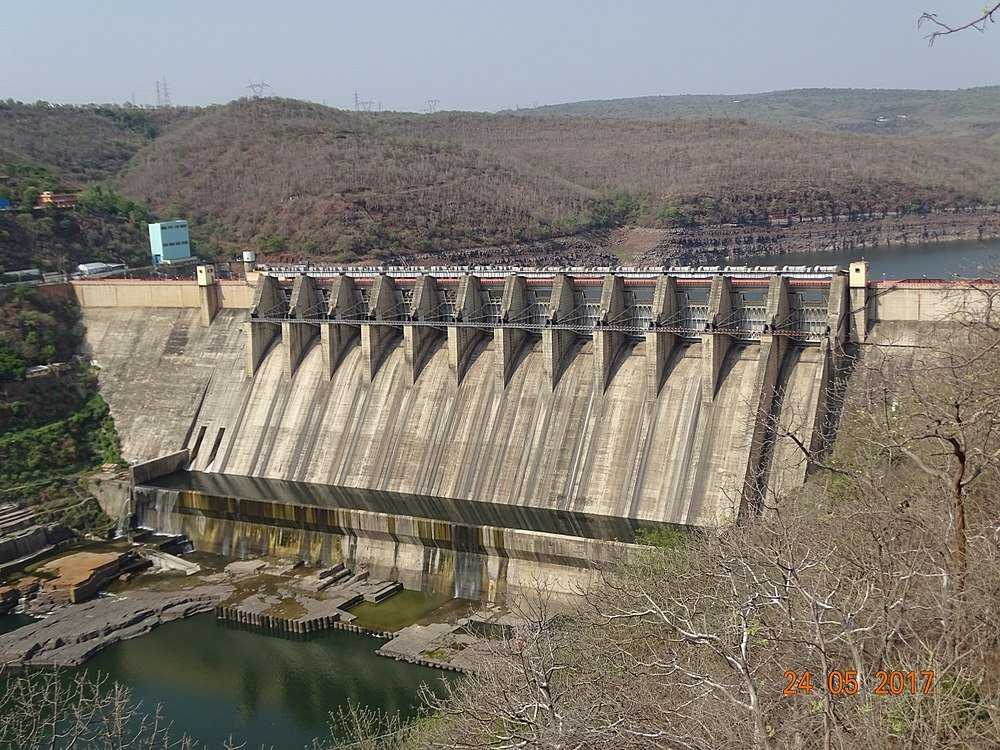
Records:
x=848, y=682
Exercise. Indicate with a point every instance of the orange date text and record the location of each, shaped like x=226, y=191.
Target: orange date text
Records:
x=849, y=682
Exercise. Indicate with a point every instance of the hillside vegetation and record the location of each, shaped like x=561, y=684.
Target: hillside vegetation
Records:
x=54, y=426
x=286, y=175
x=291, y=178
x=64, y=148
x=973, y=111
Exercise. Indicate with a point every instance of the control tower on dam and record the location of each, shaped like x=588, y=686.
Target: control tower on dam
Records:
x=634, y=394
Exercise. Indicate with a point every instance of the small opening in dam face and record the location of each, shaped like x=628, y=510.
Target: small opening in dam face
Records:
x=469, y=513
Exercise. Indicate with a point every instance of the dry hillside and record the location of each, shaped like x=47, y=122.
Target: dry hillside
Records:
x=285, y=176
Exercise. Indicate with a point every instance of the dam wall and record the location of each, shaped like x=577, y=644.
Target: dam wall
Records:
x=643, y=397
x=636, y=394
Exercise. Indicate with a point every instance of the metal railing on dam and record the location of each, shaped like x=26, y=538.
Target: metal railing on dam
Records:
x=628, y=310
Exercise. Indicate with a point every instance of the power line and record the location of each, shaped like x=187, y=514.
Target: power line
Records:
x=162, y=93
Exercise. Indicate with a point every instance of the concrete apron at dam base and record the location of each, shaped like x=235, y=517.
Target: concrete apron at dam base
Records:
x=435, y=555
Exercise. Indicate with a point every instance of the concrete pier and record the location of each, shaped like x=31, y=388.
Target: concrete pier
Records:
x=511, y=341
x=377, y=339
x=660, y=342
x=608, y=342
x=298, y=333
x=716, y=340
x=420, y=341
x=336, y=338
x=462, y=341
x=268, y=302
x=558, y=344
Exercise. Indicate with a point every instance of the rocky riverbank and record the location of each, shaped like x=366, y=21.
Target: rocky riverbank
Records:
x=69, y=635
x=280, y=595
x=714, y=244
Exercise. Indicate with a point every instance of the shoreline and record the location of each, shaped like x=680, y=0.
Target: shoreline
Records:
x=69, y=635
x=276, y=597
x=712, y=244
x=732, y=242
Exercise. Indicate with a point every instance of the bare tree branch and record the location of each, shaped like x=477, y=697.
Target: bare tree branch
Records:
x=943, y=29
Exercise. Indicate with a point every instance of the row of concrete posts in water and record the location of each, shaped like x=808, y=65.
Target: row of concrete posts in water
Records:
x=299, y=626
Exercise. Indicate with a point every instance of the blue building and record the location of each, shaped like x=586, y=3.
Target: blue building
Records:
x=169, y=242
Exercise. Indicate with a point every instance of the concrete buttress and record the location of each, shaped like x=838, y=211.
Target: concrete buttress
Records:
x=838, y=307
x=608, y=344
x=511, y=340
x=419, y=342
x=715, y=344
x=268, y=303
x=557, y=344
x=770, y=358
x=296, y=334
x=208, y=301
x=377, y=338
x=462, y=340
x=660, y=344
x=336, y=338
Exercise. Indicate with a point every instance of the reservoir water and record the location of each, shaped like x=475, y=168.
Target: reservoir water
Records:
x=215, y=680
x=933, y=260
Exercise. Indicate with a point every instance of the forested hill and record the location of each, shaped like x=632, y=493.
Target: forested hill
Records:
x=285, y=176
x=974, y=111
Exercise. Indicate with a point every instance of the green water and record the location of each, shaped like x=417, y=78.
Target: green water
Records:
x=13, y=622
x=216, y=680
x=402, y=609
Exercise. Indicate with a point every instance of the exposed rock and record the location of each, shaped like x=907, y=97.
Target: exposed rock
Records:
x=73, y=633
x=246, y=567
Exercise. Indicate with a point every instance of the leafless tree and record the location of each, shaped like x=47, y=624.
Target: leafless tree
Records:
x=50, y=709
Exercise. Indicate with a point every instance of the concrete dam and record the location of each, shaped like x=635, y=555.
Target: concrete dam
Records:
x=469, y=429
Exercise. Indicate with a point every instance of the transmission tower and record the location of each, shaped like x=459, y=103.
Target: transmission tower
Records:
x=257, y=88
x=166, y=94
x=432, y=105
x=159, y=96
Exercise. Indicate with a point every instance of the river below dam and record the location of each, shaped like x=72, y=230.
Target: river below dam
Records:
x=215, y=680
x=931, y=260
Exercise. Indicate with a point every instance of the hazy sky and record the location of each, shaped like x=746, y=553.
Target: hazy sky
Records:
x=474, y=54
